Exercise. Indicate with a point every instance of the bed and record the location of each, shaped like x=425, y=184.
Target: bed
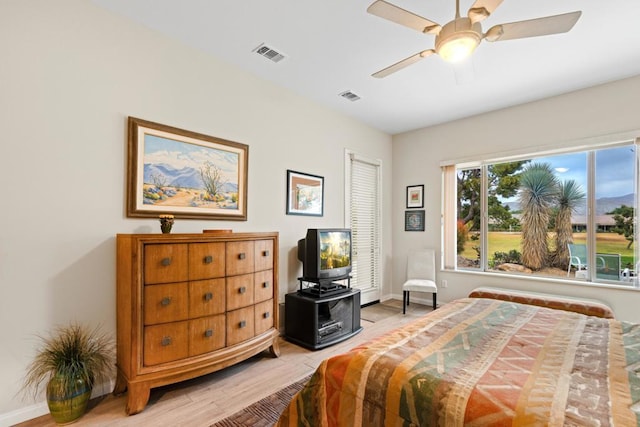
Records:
x=483, y=361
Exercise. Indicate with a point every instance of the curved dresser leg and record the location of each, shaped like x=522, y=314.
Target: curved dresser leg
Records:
x=138, y=397
x=275, y=348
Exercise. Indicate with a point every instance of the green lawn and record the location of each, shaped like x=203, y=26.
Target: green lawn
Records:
x=608, y=243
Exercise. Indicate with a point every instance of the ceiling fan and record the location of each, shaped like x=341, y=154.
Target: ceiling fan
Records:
x=458, y=38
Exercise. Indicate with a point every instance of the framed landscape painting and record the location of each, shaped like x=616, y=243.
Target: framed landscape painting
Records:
x=184, y=173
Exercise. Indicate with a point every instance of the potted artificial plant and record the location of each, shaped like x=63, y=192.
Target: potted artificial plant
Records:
x=71, y=361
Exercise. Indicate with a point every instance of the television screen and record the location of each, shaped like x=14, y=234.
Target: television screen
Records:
x=325, y=253
x=335, y=249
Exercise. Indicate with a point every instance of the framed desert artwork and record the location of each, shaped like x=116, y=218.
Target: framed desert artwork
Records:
x=185, y=174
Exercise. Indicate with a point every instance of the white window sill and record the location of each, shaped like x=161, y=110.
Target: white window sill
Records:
x=547, y=279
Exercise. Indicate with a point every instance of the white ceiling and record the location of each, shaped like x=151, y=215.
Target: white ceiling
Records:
x=334, y=45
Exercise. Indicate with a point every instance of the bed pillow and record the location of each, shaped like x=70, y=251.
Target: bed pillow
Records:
x=577, y=305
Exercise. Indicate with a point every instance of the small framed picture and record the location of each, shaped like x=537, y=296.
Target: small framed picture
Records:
x=414, y=220
x=415, y=196
x=305, y=194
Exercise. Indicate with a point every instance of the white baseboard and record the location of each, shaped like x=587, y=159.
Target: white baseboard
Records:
x=39, y=409
x=386, y=297
x=23, y=414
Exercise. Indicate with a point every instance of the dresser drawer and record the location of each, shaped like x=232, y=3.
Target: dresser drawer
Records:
x=165, y=343
x=165, y=303
x=206, y=260
x=240, y=325
x=263, y=282
x=264, y=316
x=207, y=334
x=263, y=255
x=240, y=291
x=207, y=297
x=165, y=263
x=240, y=258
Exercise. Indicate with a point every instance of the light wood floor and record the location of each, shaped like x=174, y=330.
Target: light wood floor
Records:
x=207, y=399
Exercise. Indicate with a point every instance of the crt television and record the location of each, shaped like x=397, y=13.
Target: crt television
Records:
x=325, y=253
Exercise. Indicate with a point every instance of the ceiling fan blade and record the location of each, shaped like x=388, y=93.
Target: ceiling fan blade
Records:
x=481, y=9
x=403, y=17
x=402, y=64
x=534, y=27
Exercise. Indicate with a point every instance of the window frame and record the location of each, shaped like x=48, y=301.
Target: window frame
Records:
x=449, y=201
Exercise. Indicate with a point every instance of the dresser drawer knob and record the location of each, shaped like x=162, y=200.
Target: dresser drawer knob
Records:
x=242, y=324
x=208, y=259
x=242, y=255
x=166, y=262
x=265, y=284
x=208, y=296
x=208, y=333
x=266, y=315
x=165, y=341
x=165, y=301
x=242, y=290
x=265, y=253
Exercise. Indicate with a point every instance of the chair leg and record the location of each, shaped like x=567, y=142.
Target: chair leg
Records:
x=434, y=300
x=405, y=301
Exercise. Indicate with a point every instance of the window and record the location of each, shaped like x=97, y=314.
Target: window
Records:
x=363, y=208
x=569, y=215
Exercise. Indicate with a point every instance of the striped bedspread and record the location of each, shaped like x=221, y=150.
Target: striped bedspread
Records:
x=481, y=362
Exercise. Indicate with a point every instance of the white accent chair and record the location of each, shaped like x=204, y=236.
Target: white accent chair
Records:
x=421, y=276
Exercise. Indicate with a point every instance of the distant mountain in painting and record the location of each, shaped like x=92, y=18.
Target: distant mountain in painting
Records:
x=179, y=178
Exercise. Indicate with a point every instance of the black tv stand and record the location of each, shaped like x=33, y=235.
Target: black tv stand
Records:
x=318, y=322
x=320, y=288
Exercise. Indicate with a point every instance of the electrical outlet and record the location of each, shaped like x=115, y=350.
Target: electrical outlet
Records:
x=443, y=283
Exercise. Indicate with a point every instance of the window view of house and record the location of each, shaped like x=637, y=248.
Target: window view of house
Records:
x=568, y=216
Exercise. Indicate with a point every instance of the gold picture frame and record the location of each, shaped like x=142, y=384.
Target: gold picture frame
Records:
x=184, y=173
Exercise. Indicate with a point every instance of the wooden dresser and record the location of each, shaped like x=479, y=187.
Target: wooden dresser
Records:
x=191, y=304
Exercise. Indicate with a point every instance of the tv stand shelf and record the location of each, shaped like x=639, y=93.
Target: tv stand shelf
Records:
x=320, y=288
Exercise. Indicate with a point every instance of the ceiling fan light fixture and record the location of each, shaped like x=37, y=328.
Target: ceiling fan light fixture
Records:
x=457, y=48
x=458, y=39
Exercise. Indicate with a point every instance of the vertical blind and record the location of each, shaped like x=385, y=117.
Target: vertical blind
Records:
x=364, y=206
x=448, y=216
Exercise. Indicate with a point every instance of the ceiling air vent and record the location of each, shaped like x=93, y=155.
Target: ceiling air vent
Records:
x=269, y=53
x=349, y=95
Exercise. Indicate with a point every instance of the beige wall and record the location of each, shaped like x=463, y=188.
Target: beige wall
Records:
x=573, y=119
x=71, y=73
